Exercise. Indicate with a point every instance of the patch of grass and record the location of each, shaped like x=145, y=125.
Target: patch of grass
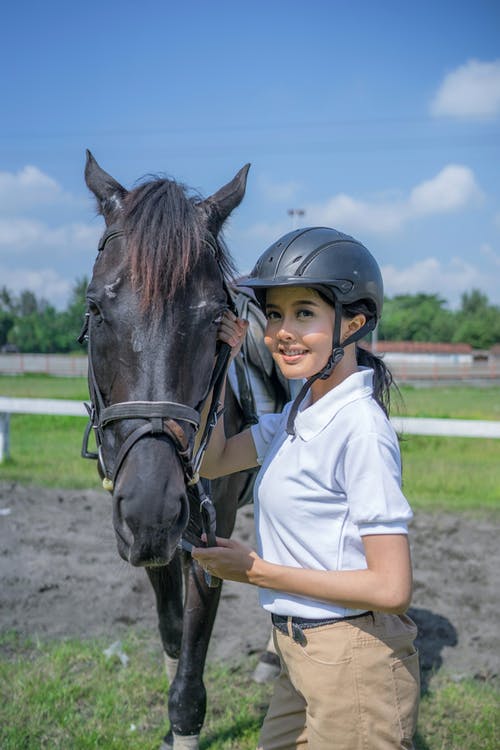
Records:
x=44, y=386
x=459, y=716
x=451, y=474
x=68, y=695
x=449, y=402
x=63, y=695
x=45, y=450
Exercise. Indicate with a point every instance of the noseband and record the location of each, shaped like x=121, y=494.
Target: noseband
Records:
x=161, y=418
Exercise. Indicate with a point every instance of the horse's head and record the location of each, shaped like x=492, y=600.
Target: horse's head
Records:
x=155, y=299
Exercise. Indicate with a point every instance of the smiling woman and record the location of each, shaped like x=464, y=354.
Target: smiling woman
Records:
x=332, y=561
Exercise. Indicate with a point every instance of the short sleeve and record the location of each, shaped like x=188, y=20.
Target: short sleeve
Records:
x=372, y=471
x=266, y=429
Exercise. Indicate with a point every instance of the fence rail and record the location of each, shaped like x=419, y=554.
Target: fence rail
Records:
x=472, y=428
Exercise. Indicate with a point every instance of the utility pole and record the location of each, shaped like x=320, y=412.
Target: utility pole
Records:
x=295, y=213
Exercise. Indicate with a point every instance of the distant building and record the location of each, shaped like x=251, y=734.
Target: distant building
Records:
x=429, y=360
x=424, y=351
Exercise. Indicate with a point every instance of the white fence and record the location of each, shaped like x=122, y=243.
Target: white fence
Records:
x=47, y=364
x=407, y=425
x=404, y=370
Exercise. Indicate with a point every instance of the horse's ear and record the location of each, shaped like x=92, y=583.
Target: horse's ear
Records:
x=108, y=191
x=220, y=204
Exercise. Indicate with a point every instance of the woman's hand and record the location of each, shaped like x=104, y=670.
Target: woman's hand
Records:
x=230, y=560
x=232, y=331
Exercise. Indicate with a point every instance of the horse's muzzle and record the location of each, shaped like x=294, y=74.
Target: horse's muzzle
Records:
x=144, y=542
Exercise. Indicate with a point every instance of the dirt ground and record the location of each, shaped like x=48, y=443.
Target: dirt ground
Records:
x=61, y=576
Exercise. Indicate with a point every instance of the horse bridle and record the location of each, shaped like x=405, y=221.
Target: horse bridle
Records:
x=162, y=417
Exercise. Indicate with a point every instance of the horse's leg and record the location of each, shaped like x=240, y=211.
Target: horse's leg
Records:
x=167, y=585
x=187, y=697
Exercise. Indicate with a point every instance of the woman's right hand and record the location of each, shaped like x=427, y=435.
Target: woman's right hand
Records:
x=232, y=331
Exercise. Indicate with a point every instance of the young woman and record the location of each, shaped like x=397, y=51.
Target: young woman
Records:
x=332, y=562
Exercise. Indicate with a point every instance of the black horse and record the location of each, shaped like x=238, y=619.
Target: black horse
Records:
x=158, y=290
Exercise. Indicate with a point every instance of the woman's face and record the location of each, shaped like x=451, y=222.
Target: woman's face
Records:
x=299, y=330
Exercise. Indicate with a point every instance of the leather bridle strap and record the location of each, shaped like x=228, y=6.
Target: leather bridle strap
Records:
x=149, y=410
x=156, y=425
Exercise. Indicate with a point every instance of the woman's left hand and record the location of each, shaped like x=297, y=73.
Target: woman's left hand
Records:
x=230, y=560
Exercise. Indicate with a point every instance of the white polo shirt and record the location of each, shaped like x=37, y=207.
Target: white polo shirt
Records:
x=319, y=492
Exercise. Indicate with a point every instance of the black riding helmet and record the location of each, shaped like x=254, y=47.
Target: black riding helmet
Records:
x=333, y=263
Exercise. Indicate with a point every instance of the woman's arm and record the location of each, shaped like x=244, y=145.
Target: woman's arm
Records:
x=228, y=455
x=385, y=585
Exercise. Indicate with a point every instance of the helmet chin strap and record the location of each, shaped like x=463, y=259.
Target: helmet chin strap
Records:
x=332, y=362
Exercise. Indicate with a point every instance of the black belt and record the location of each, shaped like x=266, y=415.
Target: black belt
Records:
x=299, y=624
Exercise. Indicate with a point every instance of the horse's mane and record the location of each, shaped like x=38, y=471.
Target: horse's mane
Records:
x=166, y=234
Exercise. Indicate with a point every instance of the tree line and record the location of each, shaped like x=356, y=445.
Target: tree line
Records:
x=32, y=324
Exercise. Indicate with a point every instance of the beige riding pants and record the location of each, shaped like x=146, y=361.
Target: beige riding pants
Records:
x=353, y=686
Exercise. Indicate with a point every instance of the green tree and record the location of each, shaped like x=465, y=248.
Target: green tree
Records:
x=7, y=314
x=72, y=317
x=36, y=326
x=477, y=321
x=416, y=317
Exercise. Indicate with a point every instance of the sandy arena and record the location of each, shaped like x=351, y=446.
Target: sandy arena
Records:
x=62, y=576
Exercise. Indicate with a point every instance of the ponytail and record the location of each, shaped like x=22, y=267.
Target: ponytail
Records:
x=382, y=377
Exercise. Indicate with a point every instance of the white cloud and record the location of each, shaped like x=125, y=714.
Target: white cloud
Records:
x=453, y=188
x=29, y=188
x=45, y=283
x=30, y=235
x=472, y=90
x=447, y=279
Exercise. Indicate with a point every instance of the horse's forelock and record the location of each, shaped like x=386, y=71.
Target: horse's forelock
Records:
x=165, y=235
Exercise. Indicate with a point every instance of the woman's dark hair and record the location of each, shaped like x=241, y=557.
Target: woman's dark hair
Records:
x=382, y=378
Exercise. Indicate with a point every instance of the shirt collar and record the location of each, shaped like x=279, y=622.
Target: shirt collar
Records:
x=313, y=418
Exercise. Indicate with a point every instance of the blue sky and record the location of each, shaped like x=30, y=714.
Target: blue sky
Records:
x=377, y=118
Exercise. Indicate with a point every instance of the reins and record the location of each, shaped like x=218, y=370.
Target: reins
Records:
x=162, y=418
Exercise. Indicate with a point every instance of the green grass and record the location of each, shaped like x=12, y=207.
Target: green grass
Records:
x=459, y=716
x=453, y=474
x=66, y=694
x=457, y=402
x=45, y=450
x=43, y=386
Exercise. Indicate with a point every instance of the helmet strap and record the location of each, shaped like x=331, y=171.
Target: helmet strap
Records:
x=333, y=360
x=325, y=372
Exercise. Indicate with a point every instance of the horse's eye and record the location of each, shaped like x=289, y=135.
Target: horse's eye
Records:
x=94, y=311
x=218, y=320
